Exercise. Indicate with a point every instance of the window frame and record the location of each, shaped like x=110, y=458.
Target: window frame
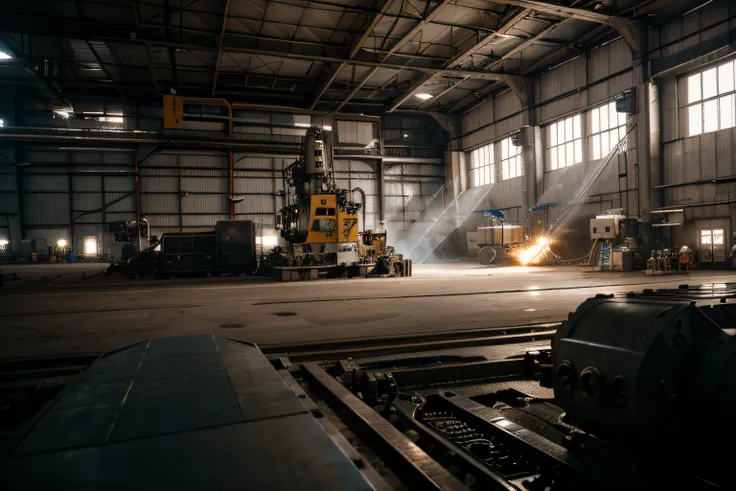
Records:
x=482, y=166
x=574, y=144
x=596, y=139
x=506, y=145
x=716, y=103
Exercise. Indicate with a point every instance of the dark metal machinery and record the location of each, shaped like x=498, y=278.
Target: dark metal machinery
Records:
x=636, y=392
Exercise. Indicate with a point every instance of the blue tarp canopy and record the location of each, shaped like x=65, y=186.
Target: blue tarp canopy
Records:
x=545, y=206
x=494, y=213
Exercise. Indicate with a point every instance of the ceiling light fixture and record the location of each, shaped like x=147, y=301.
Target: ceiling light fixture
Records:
x=423, y=96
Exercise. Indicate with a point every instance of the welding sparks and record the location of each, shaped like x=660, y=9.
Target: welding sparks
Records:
x=533, y=253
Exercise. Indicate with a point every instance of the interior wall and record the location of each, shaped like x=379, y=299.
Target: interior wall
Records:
x=72, y=192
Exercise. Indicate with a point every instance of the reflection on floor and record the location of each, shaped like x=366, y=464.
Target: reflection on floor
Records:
x=74, y=315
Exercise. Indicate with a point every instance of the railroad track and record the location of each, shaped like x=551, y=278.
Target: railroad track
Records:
x=353, y=348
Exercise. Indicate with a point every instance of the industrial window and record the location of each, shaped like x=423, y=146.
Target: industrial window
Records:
x=510, y=159
x=2, y=123
x=564, y=143
x=482, y=167
x=90, y=245
x=711, y=104
x=608, y=127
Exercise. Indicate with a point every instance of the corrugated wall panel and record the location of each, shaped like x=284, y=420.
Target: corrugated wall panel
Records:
x=42, y=157
x=508, y=125
x=8, y=182
x=506, y=104
x=159, y=203
x=708, y=155
x=690, y=159
x=257, y=204
x=726, y=164
x=90, y=218
x=92, y=158
x=253, y=162
x=87, y=183
x=360, y=166
x=369, y=186
x=354, y=132
x=507, y=193
x=45, y=183
x=567, y=105
x=204, y=203
x=253, y=185
x=8, y=203
x=46, y=209
x=159, y=160
x=394, y=188
x=120, y=202
x=81, y=230
x=118, y=158
x=86, y=202
x=163, y=220
x=204, y=184
x=159, y=184
x=121, y=184
x=202, y=220
x=670, y=115
x=212, y=161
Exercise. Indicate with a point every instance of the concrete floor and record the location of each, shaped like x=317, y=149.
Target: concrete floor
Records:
x=74, y=316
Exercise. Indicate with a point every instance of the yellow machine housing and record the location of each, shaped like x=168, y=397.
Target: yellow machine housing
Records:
x=328, y=223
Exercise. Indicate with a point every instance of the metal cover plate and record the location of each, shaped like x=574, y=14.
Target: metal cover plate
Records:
x=195, y=412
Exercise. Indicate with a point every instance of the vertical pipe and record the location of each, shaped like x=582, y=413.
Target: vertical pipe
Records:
x=178, y=190
x=104, y=204
x=137, y=185
x=232, y=204
x=381, y=194
x=70, y=188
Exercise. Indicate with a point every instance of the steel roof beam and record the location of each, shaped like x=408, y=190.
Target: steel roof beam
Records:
x=459, y=59
x=440, y=95
x=15, y=23
x=522, y=46
x=219, y=51
x=402, y=42
x=561, y=10
x=354, y=51
x=633, y=32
